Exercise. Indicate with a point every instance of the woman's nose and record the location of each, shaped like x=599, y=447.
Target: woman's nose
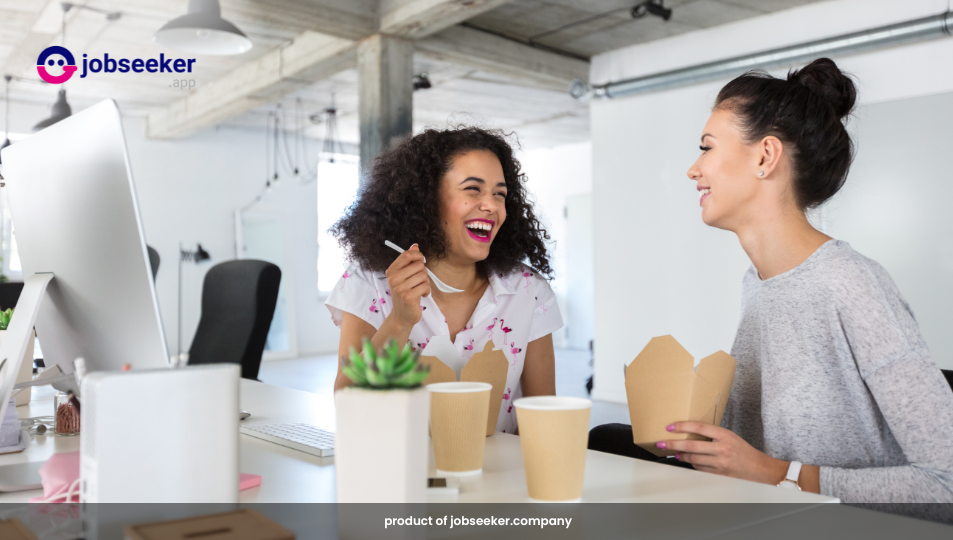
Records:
x=489, y=204
x=694, y=172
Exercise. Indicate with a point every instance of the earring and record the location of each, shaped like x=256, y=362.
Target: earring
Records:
x=760, y=173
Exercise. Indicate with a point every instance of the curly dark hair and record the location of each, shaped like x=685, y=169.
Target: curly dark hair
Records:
x=398, y=201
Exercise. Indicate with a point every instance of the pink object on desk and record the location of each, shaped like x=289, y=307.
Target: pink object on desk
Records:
x=248, y=481
x=57, y=475
x=62, y=470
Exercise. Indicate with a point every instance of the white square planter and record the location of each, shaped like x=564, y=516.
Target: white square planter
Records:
x=381, y=446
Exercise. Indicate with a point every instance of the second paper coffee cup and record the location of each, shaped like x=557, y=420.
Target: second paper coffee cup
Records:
x=554, y=434
x=458, y=412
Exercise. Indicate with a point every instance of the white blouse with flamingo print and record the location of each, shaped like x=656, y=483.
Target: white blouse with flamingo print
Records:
x=515, y=310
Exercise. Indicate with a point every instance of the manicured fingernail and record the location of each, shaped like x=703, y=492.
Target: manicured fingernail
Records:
x=660, y=445
x=678, y=457
x=670, y=427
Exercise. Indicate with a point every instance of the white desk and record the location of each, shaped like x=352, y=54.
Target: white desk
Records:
x=292, y=476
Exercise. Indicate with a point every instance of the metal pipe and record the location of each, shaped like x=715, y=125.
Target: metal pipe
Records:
x=895, y=34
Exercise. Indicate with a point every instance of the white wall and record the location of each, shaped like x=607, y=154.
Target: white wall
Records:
x=554, y=175
x=188, y=190
x=580, y=277
x=658, y=268
x=895, y=206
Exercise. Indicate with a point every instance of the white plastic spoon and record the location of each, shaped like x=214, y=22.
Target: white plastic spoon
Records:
x=436, y=281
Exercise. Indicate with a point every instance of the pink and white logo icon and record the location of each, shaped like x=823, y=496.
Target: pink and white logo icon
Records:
x=56, y=65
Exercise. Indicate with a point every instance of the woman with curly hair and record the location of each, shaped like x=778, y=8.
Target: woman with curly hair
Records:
x=457, y=198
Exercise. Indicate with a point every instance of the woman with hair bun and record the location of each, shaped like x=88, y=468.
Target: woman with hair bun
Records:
x=832, y=371
x=458, y=200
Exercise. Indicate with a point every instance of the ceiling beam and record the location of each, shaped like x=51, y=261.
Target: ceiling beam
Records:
x=298, y=16
x=307, y=59
x=415, y=19
x=487, y=52
x=313, y=56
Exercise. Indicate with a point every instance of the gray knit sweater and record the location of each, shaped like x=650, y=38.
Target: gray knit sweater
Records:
x=832, y=371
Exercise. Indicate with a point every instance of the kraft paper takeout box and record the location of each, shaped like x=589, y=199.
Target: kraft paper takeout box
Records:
x=663, y=387
x=489, y=366
x=244, y=524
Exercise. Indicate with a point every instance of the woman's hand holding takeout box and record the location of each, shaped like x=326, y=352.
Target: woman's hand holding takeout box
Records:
x=728, y=454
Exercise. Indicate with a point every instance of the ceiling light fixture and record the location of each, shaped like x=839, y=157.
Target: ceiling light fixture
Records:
x=421, y=81
x=654, y=7
x=202, y=30
x=59, y=111
x=61, y=108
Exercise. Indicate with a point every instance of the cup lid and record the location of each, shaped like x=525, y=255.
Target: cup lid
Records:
x=459, y=387
x=552, y=403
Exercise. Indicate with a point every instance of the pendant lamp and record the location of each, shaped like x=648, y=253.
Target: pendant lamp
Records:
x=202, y=30
x=59, y=111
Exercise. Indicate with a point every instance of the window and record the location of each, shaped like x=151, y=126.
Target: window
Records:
x=11, y=259
x=337, y=189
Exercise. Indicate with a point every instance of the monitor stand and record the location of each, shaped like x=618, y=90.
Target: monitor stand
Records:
x=22, y=476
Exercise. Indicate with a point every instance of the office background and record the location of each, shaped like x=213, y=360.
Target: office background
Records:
x=632, y=257
x=684, y=278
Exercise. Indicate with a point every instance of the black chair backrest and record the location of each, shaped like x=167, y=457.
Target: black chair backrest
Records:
x=154, y=260
x=238, y=303
x=949, y=377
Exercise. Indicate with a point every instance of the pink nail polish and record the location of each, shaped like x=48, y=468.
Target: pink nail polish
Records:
x=678, y=457
x=670, y=427
x=660, y=445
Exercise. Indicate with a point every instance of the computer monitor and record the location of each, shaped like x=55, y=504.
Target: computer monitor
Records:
x=75, y=215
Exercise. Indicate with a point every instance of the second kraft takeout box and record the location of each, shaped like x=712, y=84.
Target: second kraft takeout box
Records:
x=663, y=386
x=488, y=366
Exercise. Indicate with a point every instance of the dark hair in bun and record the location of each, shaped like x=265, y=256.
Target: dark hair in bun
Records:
x=805, y=112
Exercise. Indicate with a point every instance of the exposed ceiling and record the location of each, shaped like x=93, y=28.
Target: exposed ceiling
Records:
x=541, y=20
x=542, y=117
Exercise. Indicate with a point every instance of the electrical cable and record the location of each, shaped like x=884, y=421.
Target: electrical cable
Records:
x=299, y=125
x=637, y=11
x=68, y=495
x=292, y=157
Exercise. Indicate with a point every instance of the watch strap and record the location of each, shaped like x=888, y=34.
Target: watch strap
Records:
x=794, y=472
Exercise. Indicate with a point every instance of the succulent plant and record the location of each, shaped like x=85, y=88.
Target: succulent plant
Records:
x=391, y=367
x=5, y=317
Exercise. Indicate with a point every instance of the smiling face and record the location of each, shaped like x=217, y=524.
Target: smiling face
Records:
x=726, y=173
x=54, y=64
x=472, y=205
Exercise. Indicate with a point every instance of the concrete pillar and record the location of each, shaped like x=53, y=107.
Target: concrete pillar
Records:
x=385, y=68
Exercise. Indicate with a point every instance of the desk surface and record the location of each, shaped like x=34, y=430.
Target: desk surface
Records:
x=292, y=476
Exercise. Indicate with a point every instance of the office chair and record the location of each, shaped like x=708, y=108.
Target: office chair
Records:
x=949, y=377
x=10, y=293
x=154, y=260
x=238, y=303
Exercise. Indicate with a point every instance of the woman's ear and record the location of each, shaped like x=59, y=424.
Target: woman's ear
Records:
x=770, y=151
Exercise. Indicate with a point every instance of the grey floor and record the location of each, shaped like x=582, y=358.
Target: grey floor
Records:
x=316, y=374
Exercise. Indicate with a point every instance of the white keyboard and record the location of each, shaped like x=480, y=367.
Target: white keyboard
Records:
x=303, y=437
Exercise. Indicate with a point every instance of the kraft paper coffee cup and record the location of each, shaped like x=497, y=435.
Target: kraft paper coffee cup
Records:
x=554, y=434
x=458, y=412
